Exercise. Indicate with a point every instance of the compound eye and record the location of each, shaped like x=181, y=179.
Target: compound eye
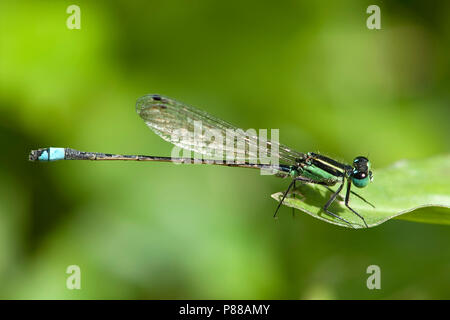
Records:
x=360, y=159
x=361, y=164
x=359, y=175
x=360, y=179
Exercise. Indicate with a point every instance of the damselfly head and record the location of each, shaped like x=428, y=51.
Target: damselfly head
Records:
x=361, y=175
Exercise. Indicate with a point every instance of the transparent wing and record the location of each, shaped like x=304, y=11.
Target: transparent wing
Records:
x=192, y=129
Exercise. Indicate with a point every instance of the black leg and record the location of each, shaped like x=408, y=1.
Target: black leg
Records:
x=347, y=198
x=293, y=209
x=330, y=201
x=332, y=191
x=287, y=191
x=284, y=196
x=362, y=198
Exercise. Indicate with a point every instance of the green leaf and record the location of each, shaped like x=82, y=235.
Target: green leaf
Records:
x=396, y=192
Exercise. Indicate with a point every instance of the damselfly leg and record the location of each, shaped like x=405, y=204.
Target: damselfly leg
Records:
x=330, y=201
x=347, y=198
x=284, y=196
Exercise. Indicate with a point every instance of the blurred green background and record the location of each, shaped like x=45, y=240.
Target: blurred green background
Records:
x=155, y=231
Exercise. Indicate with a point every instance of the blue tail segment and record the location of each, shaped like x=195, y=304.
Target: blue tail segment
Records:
x=47, y=154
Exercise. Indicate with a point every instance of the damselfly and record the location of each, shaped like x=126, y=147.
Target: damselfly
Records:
x=165, y=116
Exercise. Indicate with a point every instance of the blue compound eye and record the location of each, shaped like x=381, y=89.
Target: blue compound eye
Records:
x=360, y=179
